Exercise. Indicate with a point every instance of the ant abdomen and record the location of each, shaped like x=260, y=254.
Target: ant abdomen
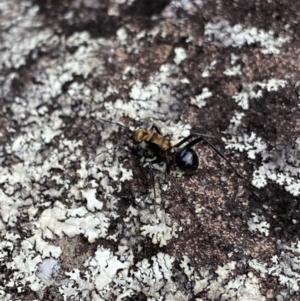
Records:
x=187, y=160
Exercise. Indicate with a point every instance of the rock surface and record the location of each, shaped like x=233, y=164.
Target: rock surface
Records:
x=80, y=218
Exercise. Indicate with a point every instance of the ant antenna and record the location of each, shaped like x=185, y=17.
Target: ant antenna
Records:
x=94, y=157
x=115, y=146
x=112, y=122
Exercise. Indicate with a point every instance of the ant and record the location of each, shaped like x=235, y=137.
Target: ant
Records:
x=185, y=158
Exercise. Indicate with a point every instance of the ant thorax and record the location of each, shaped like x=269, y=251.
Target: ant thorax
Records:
x=151, y=136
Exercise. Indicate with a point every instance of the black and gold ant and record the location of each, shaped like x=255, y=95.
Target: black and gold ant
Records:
x=184, y=157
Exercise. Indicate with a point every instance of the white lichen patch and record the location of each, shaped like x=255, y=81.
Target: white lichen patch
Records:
x=207, y=70
x=48, y=271
x=109, y=278
x=61, y=221
x=122, y=35
x=200, y=100
x=235, y=122
x=180, y=55
x=252, y=144
x=159, y=226
x=92, y=202
x=239, y=286
x=226, y=35
x=284, y=267
x=190, y=6
x=43, y=247
x=15, y=54
x=281, y=165
x=255, y=91
x=233, y=71
x=159, y=274
x=24, y=265
x=104, y=267
x=147, y=101
x=257, y=223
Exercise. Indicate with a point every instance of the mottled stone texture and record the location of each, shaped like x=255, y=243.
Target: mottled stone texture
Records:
x=76, y=226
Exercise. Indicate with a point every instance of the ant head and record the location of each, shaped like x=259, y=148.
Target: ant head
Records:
x=187, y=159
x=138, y=136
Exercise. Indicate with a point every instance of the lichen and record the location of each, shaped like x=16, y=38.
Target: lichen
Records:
x=68, y=178
x=237, y=36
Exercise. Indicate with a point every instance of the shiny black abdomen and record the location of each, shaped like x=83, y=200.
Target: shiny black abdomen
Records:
x=187, y=159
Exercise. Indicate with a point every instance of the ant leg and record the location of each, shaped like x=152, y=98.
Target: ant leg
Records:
x=192, y=136
x=157, y=129
x=171, y=178
x=182, y=194
x=168, y=173
x=204, y=135
x=168, y=167
x=152, y=179
x=195, y=141
x=155, y=160
x=184, y=140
